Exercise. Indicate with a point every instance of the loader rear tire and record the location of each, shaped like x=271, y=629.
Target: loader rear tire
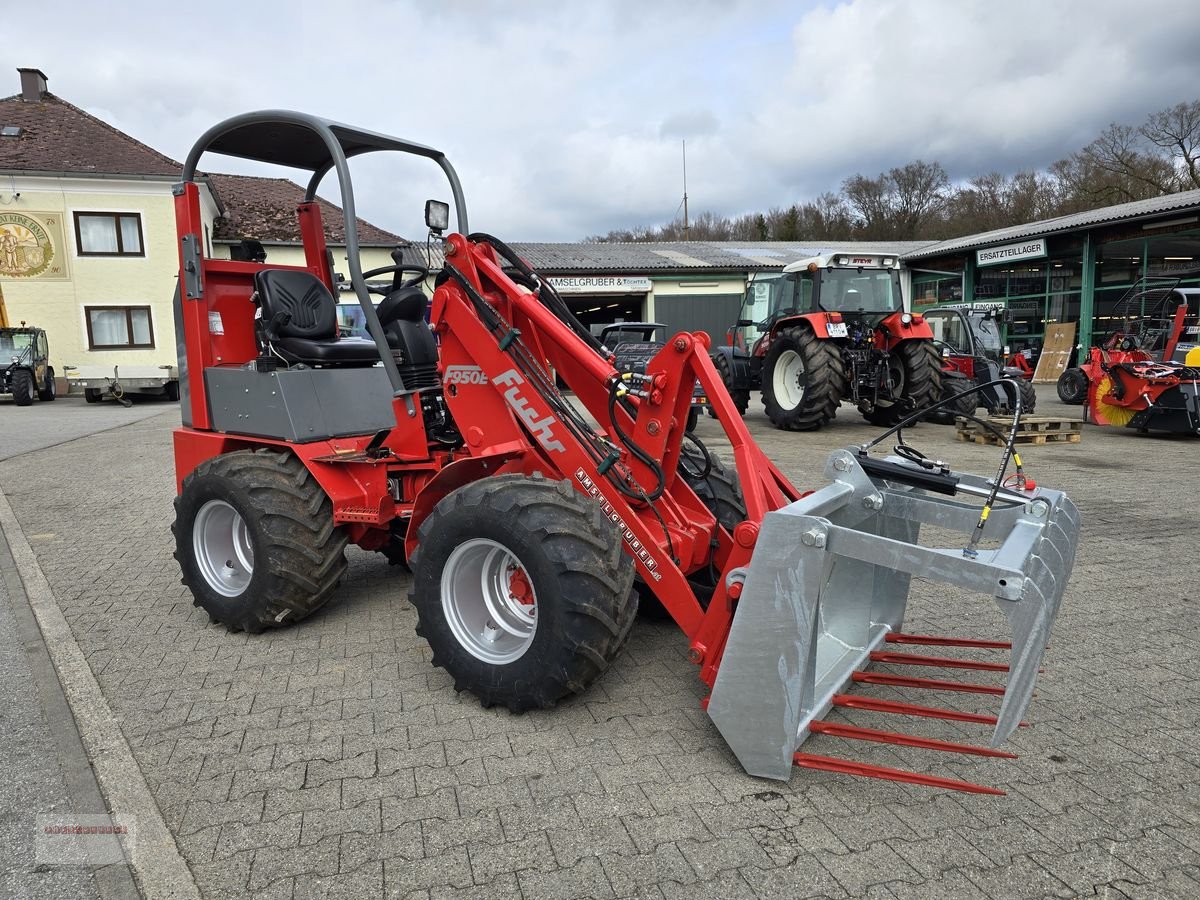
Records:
x=1028, y=397
x=919, y=369
x=740, y=398
x=1073, y=386
x=522, y=589
x=255, y=540
x=93, y=395
x=49, y=389
x=803, y=381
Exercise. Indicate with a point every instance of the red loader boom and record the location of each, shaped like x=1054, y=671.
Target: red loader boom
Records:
x=532, y=531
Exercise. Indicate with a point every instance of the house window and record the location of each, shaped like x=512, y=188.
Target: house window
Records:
x=115, y=327
x=108, y=234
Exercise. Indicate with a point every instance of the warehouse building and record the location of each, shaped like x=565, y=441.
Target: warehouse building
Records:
x=1071, y=269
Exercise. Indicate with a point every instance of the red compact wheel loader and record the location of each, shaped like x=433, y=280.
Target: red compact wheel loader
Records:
x=530, y=531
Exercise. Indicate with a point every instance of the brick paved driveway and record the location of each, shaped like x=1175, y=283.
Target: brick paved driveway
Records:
x=331, y=759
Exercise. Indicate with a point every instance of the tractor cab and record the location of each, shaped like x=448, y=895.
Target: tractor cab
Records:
x=1158, y=323
x=852, y=288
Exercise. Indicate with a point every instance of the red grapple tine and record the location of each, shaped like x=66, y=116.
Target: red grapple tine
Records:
x=915, y=659
x=909, y=709
x=929, y=640
x=933, y=684
x=854, y=733
x=845, y=767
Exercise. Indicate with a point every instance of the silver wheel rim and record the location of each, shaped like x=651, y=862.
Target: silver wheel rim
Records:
x=489, y=601
x=788, y=379
x=222, y=547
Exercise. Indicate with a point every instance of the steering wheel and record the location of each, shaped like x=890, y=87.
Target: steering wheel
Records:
x=422, y=274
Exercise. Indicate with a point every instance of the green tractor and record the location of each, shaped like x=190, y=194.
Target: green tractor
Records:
x=25, y=370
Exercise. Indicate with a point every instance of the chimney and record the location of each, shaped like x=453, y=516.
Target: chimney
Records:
x=33, y=85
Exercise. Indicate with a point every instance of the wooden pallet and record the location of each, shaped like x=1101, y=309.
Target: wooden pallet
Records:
x=1033, y=430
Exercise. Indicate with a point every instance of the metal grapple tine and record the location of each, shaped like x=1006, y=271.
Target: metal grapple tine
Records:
x=827, y=588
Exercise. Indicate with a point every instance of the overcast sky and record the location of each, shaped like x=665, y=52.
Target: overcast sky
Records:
x=564, y=119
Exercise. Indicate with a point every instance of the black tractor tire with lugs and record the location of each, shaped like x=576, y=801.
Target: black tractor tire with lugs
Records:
x=575, y=563
x=740, y=398
x=921, y=367
x=22, y=387
x=298, y=552
x=958, y=401
x=1073, y=386
x=821, y=383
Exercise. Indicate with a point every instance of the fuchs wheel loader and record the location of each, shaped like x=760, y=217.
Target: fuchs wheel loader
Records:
x=532, y=532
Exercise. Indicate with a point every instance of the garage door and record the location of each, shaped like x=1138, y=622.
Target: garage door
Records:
x=713, y=313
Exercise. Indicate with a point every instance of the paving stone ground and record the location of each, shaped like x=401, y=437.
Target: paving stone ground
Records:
x=330, y=759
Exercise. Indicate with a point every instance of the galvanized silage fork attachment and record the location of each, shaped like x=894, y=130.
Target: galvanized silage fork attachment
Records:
x=827, y=588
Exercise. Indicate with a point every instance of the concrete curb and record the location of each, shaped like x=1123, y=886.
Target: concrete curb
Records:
x=157, y=864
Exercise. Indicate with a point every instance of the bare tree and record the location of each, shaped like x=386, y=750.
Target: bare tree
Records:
x=1177, y=132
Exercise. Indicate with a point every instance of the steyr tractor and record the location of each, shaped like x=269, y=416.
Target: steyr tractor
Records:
x=973, y=360
x=827, y=329
x=533, y=524
x=1144, y=373
x=25, y=370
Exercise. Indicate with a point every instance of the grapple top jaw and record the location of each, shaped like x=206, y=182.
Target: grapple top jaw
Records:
x=828, y=584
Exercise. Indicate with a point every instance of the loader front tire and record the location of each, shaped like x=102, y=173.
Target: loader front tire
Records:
x=22, y=387
x=958, y=401
x=255, y=540
x=804, y=380
x=522, y=589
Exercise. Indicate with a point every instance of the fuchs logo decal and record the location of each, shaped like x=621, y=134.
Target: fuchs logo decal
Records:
x=635, y=546
x=540, y=428
x=464, y=375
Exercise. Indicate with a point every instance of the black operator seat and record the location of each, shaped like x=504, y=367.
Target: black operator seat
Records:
x=299, y=321
x=402, y=315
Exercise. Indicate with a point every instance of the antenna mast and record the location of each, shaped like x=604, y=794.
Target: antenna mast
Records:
x=685, y=210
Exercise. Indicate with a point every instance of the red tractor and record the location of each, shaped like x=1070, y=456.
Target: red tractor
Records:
x=533, y=523
x=1139, y=375
x=973, y=359
x=830, y=328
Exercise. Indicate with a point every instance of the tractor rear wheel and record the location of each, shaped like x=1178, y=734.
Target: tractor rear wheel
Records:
x=803, y=380
x=22, y=387
x=522, y=589
x=255, y=540
x=1072, y=386
x=740, y=398
x=49, y=390
x=916, y=370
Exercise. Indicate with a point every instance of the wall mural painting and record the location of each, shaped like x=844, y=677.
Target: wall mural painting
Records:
x=31, y=246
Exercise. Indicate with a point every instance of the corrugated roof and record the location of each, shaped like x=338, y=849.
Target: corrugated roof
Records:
x=59, y=137
x=1076, y=221
x=739, y=256
x=264, y=209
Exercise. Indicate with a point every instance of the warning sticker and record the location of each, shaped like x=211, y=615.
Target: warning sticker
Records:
x=215, y=325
